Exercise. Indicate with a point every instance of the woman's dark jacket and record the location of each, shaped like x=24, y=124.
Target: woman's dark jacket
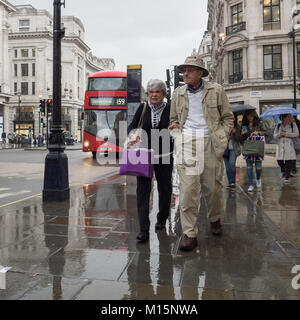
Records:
x=159, y=148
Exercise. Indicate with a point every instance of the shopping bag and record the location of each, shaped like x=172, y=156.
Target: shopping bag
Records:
x=296, y=142
x=254, y=146
x=137, y=162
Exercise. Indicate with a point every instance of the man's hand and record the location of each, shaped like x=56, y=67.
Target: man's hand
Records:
x=174, y=126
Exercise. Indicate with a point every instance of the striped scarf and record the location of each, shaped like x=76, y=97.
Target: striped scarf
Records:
x=156, y=111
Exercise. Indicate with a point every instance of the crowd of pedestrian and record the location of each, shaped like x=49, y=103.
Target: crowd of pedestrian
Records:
x=17, y=140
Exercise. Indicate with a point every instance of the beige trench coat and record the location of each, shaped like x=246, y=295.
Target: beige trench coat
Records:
x=216, y=110
x=285, y=148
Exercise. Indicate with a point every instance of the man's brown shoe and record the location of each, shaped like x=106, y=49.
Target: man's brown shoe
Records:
x=188, y=244
x=216, y=228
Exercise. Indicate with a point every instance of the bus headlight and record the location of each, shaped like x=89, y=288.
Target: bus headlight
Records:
x=86, y=143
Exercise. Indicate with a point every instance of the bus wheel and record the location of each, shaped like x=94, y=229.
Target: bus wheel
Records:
x=94, y=154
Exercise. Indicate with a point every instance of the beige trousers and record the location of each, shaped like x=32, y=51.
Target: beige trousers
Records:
x=198, y=173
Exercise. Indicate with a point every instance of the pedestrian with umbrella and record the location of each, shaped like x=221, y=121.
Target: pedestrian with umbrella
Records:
x=285, y=152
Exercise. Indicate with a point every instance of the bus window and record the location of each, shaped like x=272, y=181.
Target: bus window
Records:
x=107, y=122
x=107, y=84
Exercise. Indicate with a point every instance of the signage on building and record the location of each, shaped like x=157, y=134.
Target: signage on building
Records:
x=255, y=94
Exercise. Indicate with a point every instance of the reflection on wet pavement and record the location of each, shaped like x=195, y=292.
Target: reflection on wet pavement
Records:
x=85, y=248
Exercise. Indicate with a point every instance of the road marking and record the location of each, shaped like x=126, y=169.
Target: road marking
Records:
x=10, y=194
x=23, y=199
x=4, y=189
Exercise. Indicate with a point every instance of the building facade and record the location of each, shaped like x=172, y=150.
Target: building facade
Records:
x=252, y=52
x=31, y=56
x=5, y=91
x=205, y=50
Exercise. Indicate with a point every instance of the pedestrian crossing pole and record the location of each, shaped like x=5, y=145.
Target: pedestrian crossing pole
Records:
x=56, y=175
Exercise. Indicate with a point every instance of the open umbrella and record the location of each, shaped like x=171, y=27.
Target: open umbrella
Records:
x=276, y=112
x=239, y=108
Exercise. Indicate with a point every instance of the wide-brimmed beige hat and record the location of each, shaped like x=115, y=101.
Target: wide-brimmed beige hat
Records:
x=194, y=61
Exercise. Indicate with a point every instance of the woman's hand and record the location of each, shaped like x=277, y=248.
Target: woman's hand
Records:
x=255, y=133
x=243, y=131
x=134, y=139
x=282, y=133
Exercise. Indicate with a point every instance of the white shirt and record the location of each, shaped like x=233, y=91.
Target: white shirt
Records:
x=195, y=123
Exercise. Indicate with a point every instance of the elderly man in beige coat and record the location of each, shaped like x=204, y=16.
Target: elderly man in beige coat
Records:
x=200, y=121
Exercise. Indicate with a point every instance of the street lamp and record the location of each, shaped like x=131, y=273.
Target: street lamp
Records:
x=19, y=105
x=56, y=176
x=292, y=34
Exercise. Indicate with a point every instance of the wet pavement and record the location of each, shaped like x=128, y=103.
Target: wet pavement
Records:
x=85, y=248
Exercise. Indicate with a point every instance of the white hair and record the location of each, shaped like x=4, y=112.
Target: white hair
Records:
x=157, y=84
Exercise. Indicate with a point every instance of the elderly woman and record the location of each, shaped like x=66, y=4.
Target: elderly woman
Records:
x=155, y=120
x=285, y=152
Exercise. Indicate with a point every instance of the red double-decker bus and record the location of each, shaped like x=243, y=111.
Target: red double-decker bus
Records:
x=105, y=105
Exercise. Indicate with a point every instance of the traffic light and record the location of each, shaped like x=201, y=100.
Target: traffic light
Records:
x=49, y=105
x=178, y=77
x=42, y=106
x=42, y=123
x=168, y=84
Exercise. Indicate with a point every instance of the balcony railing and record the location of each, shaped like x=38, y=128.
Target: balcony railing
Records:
x=234, y=78
x=236, y=28
x=273, y=75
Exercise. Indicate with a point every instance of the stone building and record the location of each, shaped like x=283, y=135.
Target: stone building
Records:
x=31, y=55
x=5, y=91
x=205, y=50
x=252, y=53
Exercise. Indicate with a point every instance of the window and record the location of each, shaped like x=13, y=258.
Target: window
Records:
x=24, y=25
x=271, y=12
x=33, y=53
x=16, y=53
x=24, y=69
x=15, y=87
x=208, y=47
x=33, y=69
x=237, y=14
x=272, y=62
x=208, y=66
x=33, y=88
x=24, y=53
x=16, y=70
x=236, y=67
x=24, y=88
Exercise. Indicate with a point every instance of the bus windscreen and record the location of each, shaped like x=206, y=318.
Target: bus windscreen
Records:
x=107, y=84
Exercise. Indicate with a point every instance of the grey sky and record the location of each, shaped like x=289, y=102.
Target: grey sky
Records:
x=156, y=34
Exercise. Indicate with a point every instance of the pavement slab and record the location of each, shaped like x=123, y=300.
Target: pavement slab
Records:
x=85, y=248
